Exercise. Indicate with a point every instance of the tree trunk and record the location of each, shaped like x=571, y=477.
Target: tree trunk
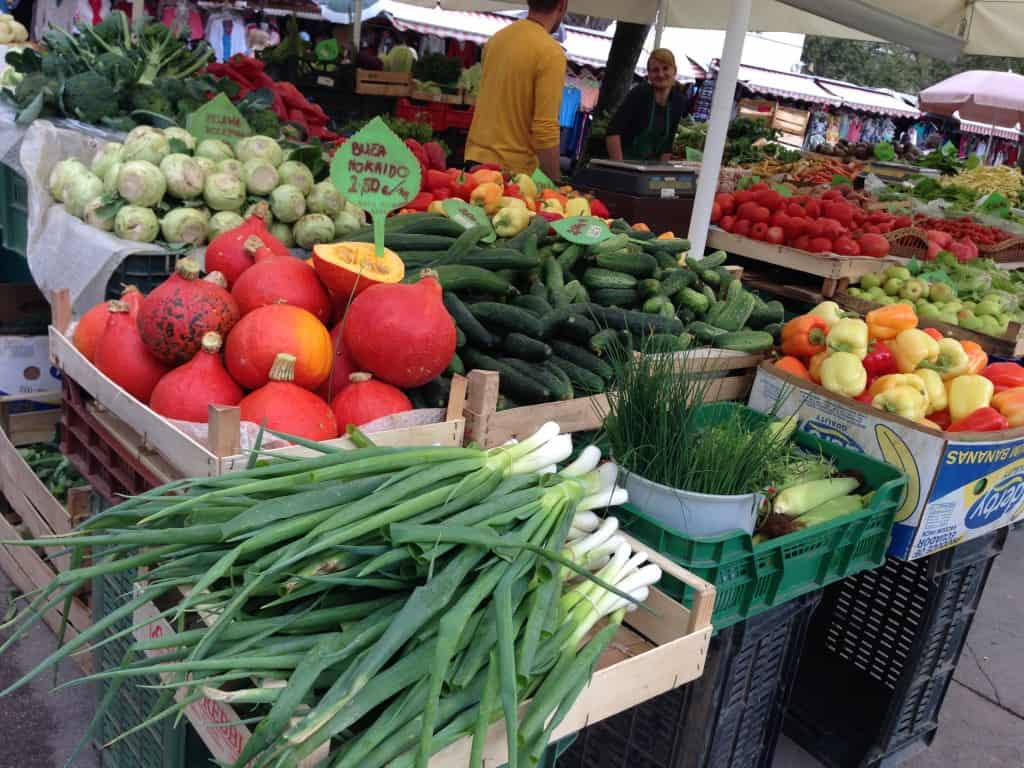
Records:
x=622, y=57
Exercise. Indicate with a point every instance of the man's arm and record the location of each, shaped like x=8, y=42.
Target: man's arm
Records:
x=550, y=162
x=547, y=98
x=613, y=143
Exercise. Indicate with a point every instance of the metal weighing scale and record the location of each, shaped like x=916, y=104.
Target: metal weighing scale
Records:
x=657, y=194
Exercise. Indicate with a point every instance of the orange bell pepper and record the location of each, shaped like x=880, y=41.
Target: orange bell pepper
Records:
x=794, y=367
x=486, y=175
x=1010, y=403
x=976, y=356
x=670, y=235
x=883, y=384
x=804, y=336
x=814, y=368
x=935, y=333
x=487, y=195
x=550, y=194
x=885, y=323
x=641, y=227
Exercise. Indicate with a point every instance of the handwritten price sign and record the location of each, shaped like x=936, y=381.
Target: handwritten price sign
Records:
x=468, y=216
x=377, y=172
x=218, y=119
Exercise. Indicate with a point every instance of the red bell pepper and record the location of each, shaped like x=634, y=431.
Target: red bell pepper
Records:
x=421, y=156
x=879, y=361
x=942, y=418
x=435, y=155
x=865, y=396
x=443, y=193
x=437, y=180
x=985, y=419
x=512, y=190
x=463, y=186
x=1004, y=375
x=421, y=202
x=599, y=209
x=550, y=215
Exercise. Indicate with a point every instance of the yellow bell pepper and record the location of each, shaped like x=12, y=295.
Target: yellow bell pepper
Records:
x=849, y=335
x=509, y=222
x=844, y=374
x=513, y=202
x=912, y=347
x=1010, y=403
x=937, y=400
x=436, y=208
x=551, y=205
x=526, y=185
x=903, y=401
x=885, y=383
x=830, y=312
x=967, y=394
x=577, y=206
x=952, y=360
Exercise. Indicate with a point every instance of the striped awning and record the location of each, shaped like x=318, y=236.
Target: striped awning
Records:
x=785, y=85
x=875, y=100
x=1002, y=132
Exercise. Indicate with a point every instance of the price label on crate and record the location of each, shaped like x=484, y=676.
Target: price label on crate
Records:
x=582, y=230
x=468, y=216
x=218, y=119
x=377, y=172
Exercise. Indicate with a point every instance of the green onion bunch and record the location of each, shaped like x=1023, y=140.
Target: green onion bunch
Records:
x=381, y=602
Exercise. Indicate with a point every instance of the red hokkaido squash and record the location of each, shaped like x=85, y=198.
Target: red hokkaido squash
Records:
x=351, y=268
x=263, y=333
x=401, y=333
x=186, y=392
x=286, y=407
x=365, y=400
x=181, y=310
x=217, y=278
x=94, y=322
x=123, y=357
x=280, y=281
x=342, y=367
x=227, y=252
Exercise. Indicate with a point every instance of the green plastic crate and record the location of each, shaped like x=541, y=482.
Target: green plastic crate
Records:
x=752, y=578
x=13, y=210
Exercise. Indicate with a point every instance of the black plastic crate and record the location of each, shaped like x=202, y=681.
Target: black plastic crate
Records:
x=881, y=654
x=144, y=270
x=730, y=717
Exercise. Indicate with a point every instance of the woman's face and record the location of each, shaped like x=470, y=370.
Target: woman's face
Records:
x=660, y=75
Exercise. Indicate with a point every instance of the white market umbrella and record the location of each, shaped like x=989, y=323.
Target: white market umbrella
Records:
x=994, y=98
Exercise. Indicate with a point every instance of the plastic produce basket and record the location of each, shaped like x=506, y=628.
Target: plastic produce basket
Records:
x=753, y=578
x=881, y=654
x=13, y=210
x=730, y=717
x=144, y=270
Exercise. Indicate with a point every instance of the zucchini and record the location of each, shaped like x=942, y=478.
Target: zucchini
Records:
x=465, y=243
x=496, y=258
x=614, y=297
x=583, y=358
x=435, y=392
x=766, y=313
x=506, y=317
x=627, y=320
x=460, y=278
x=475, y=333
x=704, y=332
x=526, y=348
x=539, y=306
x=692, y=300
x=674, y=280
x=455, y=366
x=460, y=338
x=556, y=382
x=581, y=379
x=666, y=245
x=520, y=388
x=567, y=259
x=686, y=315
x=595, y=277
x=577, y=328
x=745, y=341
x=638, y=265
x=613, y=243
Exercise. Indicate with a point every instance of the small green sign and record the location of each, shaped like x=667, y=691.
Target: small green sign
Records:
x=838, y=181
x=541, y=180
x=377, y=172
x=582, y=230
x=468, y=216
x=783, y=189
x=218, y=119
x=694, y=155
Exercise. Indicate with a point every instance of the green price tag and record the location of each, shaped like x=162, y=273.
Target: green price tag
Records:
x=582, y=230
x=218, y=119
x=541, y=180
x=377, y=172
x=468, y=216
x=694, y=155
x=838, y=181
x=783, y=189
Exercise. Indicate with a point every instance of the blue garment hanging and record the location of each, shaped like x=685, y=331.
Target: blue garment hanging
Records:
x=572, y=98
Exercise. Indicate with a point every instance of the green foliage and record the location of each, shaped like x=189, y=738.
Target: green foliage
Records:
x=438, y=68
x=89, y=97
x=151, y=99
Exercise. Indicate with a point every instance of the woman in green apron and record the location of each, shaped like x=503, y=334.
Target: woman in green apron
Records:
x=644, y=127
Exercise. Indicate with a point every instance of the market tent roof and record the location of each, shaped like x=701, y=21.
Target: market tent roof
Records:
x=785, y=85
x=868, y=99
x=1002, y=132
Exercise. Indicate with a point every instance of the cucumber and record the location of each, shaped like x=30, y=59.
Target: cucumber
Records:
x=685, y=315
x=601, y=343
x=475, y=333
x=613, y=243
x=674, y=280
x=595, y=277
x=567, y=259
x=620, y=225
x=775, y=329
x=577, y=328
x=710, y=277
x=526, y=348
x=627, y=320
x=556, y=382
x=435, y=392
x=574, y=292
x=520, y=388
x=659, y=305
x=538, y=226
x=710, y=294
x=638, y=265
x=704, y=332
x=582, y=380
x=714, y=260
x=582, y=357
x=465, y=243
x=649, y=288
x=403, y=222
x=745, y=341
x=506, y=317
x=696, y=302
x=550, y=322
x=614, y=297
x=539, y=306
x=554, y=279
x=662, y=343
x=767, y=313
x=666, y=260
x=732, y=314
x=455, y=365
x=402, y=241
x=666, y=245
x=460, y=338
x=460, y=278
x=416, y=260
x=496, y=258
x=540, y=290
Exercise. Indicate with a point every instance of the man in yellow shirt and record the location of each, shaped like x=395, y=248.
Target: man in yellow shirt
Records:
x=515, y=124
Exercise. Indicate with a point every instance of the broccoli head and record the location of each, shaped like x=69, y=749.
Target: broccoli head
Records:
x=119, y=70
x=264, y=122
x=89, y=97
x=151, y=99
x=173, y=88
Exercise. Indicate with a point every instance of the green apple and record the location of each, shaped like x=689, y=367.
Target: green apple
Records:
x=914, y=289
x=940, y=291
x=870, y=280
x=900, y=273
x=928, y=311
x=989, y=308
x=955, y=305
x=949, y=317
x=893, y=286
x=855, y=291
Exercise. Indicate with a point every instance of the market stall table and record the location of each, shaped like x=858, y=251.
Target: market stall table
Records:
x=659, y=195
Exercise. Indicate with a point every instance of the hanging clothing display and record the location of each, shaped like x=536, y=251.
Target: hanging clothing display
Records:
x=90, y=12
x=181, y=14
x=571, y=100
x=430, y=44
x=225, y=32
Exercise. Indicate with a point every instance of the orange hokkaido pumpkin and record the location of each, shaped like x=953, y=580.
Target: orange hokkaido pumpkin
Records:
x=232, y=252
x=281, y=281
x=285, y=407
x=90, y=328
x=365, y=400
x=187, y=392
x=350, y=268
x=122, y=356
x=262, y=334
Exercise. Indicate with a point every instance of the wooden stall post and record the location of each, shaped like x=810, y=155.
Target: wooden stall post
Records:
x=225, y=429
x=481, y=405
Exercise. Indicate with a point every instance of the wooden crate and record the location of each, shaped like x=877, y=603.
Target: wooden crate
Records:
x=489, y=427
x=792, y=123
x=438, y=98
x=836, y=271
x=372, y=82
x=653, y=652
x=1009, y=345
x=28, y=504
x=757, y=109
x=152, y=434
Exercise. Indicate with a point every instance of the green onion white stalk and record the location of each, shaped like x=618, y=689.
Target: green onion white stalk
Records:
x=383, y=601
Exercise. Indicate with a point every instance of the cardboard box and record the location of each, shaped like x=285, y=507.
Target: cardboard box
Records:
x=958, y=489
x=24, y=353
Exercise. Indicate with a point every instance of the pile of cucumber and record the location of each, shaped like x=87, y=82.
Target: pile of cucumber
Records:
x=544, y=312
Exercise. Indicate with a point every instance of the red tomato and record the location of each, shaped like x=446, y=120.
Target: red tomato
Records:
x=813, y=208
x=901, y=222
x=776, y=235
x=759, y=230
x=760, y=214
x=769, y=198
x=815, y=228
x=871, y=229
x=831, y=228
x=803, y=243
x=841, y=212
x=742, y=228
x=746, y=210
x=745, y=196
x=759, y=187
x=716, y=213
x=820, y=245
x=832, y=194
x=779, y=218
x=794, y=227
x=728, y=203
x=728, y=223
x=844, y=246
x=872, y=244
x=795, y=209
